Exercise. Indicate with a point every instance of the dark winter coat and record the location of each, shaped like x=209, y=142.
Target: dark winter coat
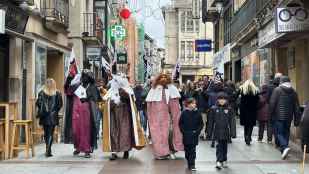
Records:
x=140, y=96
x=284, y=105
x=48, y=108
x=263, y=108
x=248, y=109
x=191, y=124
x=221, y=122
x=202, y=100
x=305, y=126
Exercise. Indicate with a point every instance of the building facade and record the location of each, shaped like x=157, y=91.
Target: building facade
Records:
x=182, y=30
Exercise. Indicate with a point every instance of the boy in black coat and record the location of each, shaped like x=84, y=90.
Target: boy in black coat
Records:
x=222, y=116
x=191, y=124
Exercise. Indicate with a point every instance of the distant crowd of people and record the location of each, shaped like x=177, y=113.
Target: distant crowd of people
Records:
x=170, y=115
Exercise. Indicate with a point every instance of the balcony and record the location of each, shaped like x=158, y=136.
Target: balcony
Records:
x=92, y=28
x=244, y=20
x=56, y=14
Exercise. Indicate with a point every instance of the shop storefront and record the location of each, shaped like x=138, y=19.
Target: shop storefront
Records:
x=250, y=68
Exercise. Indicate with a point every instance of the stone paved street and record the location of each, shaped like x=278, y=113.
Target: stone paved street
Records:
x=260, y=158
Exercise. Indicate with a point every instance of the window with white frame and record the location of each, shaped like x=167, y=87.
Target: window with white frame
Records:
x=197, y=25
x=190, y=52
x=182, y=50
x=190, y=23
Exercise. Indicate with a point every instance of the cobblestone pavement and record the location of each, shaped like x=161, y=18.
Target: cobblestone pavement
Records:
x=260, y=158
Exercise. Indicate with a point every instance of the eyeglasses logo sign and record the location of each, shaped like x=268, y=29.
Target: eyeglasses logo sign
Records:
x=292, y=19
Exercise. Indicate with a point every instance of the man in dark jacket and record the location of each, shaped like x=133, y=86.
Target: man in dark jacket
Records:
x=284, y=107
x=140, y=96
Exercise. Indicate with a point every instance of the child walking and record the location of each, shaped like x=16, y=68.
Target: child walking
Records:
x=222, y=116
x=191, y=124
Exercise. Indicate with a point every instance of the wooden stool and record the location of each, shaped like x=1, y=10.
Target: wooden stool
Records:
x=2, y=132
x=17, y=126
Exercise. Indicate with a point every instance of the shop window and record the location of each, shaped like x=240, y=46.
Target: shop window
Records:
x=40, y=68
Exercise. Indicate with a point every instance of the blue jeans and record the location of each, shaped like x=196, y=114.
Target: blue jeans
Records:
x=143, y=118
x=282, y=133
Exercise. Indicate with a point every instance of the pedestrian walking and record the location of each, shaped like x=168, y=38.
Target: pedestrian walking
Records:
x=263, y=116
x=140, y=96
x=49, y=104
x=284, y=108
x=249, y=99
x=222, y=115
x=230, y=90
x=191, y=124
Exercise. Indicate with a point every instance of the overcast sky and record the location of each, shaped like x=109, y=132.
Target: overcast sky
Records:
x=153, y=22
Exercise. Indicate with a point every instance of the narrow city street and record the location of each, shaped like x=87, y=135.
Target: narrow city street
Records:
x=260, y=158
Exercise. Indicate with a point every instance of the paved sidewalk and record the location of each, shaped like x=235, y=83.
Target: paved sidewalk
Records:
x=260, y=158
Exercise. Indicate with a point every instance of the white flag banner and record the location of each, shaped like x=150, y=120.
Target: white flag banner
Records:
x=105, y=64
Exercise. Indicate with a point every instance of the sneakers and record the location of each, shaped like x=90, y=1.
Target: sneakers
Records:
x=113, y=157
x=193, y=168
x=224, y=164
x=285, y=153
x=219, y=165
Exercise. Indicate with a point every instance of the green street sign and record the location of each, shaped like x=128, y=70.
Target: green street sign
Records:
x=118, y=32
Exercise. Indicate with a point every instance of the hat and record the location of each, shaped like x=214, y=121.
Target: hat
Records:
x=222, y=95
x=284, y=79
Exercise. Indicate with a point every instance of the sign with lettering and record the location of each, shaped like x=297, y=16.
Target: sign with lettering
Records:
x=203, y=45
x=122, y=58
x=292, y=19
x=2, y=21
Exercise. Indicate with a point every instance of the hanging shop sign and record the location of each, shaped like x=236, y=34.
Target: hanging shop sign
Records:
x=203, y=45
x=16, y=18
x=292, y=19
x=122, y=58
x=222, y=57
x=125, y=13
x=2, y=21
x=118, y=32
x=93, y=54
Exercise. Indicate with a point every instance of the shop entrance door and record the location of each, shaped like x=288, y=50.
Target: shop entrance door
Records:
x=4, y=68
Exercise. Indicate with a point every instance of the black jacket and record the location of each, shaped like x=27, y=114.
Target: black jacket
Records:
x=48, y=108
x=284, y=105
x=248, y=109
x=202, y=99
x=140, y=96
x=222, y=117
x=191, y=124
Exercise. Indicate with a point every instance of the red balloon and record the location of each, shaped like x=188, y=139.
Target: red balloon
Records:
x=125, y=13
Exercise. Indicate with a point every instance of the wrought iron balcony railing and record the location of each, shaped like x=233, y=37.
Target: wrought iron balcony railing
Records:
x=93, y=26
x=56, y=10
x=245, y=16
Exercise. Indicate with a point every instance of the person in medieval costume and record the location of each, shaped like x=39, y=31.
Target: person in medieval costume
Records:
x=80, y=128
x=163, y=110
x=122, y=128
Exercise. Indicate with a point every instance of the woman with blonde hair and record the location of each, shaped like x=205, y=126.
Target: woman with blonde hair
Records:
x=249, y=98
x=49, y=104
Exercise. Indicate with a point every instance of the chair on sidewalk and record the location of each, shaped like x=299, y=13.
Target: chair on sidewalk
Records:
x=18, y=125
